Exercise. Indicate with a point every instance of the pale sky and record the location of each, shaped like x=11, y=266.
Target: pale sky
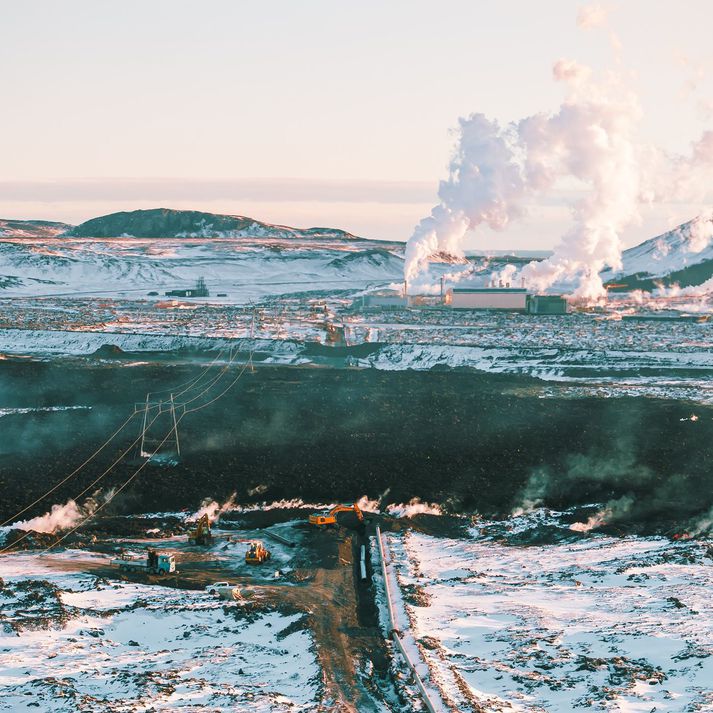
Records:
x=311, y=112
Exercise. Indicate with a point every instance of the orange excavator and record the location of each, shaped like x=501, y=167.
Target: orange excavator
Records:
x=329, y=517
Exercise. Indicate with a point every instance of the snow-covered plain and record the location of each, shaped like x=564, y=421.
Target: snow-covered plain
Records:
x=76, y=642
x=595, y=622
x=244, y=268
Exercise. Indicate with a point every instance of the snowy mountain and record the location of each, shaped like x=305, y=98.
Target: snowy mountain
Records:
x=166, y=223
x=683, y=256
x=31, y=228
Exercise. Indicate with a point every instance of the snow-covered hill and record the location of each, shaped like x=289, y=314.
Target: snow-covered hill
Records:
x=31, y=228
x=243, y=268
x=683, y=256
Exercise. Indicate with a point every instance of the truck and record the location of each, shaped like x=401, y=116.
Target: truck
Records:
x=155, y=562
x=224, y=590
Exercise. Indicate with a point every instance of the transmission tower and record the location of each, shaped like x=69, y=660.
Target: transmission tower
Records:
x=163, y=419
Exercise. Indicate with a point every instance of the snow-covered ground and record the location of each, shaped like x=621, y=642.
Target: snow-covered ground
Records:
x=76, y=642
x=594, y=622
x=243, y=268
x=70, y=296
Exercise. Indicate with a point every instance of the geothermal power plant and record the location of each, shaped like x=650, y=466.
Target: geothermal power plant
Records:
x=500, y=297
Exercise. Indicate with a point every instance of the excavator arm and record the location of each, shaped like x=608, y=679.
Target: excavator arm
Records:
x=330, y=518
x=347, y=508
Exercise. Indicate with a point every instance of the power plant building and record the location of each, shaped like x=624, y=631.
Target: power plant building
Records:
x=504, y=298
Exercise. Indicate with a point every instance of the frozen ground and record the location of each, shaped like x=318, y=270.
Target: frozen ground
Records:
x=282, y=297
x=75, y=642
x=244, y=268
x=594, y=622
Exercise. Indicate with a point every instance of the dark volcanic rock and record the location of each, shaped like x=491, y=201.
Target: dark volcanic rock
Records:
x=470, y=442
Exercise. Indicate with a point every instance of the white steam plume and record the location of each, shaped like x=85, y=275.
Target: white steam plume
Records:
x=592, y=139
x=413, y=507
x=213, y=509
x=62, y=517
x=592, y=16
x=593, y=142
x=485, y=185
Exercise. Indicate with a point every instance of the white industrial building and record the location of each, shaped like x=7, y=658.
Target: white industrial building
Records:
x=506, y=298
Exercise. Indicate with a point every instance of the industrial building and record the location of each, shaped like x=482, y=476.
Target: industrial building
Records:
x=505, y=298
x=546, y=304
x=200, y=290
x=384, y=299
x=494, y=297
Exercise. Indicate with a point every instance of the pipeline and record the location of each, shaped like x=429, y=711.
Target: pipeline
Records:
x=396, y=634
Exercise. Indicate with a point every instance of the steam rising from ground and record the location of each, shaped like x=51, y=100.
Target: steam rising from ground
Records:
x=413, y=507
x=592, y=143
x=63, y=517
x=213, y=509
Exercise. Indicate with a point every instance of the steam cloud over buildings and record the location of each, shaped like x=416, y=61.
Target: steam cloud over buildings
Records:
x=593, y=143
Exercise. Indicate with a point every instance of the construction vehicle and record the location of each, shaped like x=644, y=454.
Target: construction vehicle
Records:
x=257, y=553
x=154, y=563
x=329, y=517
x=201, y=535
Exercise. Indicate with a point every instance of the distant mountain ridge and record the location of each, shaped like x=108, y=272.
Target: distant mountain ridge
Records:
x=167, y=223
x=682, y=256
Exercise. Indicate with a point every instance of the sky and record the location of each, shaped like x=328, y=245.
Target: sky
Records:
x=316, y=112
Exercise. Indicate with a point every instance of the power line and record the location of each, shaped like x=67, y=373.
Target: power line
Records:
x=74, y=472
x=91, y=485
x=141, y=467
x=174, y=429
x=189, y=385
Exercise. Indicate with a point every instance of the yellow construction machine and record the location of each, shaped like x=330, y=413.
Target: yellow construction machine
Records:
x=202, y=534
x=257, y=553
x=329, y=517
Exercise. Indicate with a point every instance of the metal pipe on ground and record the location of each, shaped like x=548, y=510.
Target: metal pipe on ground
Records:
x=395, y=635
x=279, y=538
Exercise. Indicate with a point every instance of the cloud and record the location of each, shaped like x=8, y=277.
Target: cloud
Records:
x=592, y=16
x=274, y=190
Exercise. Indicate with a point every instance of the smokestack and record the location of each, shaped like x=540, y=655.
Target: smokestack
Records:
x=443, y=286
x=405, y=288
